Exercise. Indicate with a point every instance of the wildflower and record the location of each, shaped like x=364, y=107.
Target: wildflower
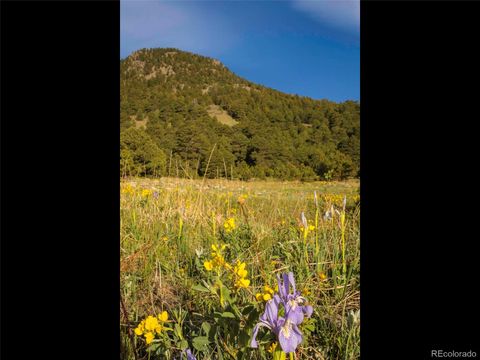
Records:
x=329, y=213
x=208, y=265
x=149, y=337
x=241, y=274
x=163, y=316
x=151, y=323
x=216, y=249
x=229, y=225
x=304, y=221
x=217, y=260
x=140, y=328
x=241, y=199
x=322, y=276
x=199, y=252
x=155, y=194
x=354, y=317
x=240, y=270
x=146, y=192
x=128, y=189
x=242, y=283
x=272, y=347
x=286, y=330
x=294, y=303
x=268, y=289
x=159, y=329
x=267, y=294
x=189, y=354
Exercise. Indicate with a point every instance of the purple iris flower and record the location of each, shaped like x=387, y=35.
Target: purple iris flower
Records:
x=285, y=329
x=295, y=304
x=189, y=354
x=268, y=319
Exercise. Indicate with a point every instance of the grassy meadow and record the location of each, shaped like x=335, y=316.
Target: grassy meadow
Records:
x=185, y=246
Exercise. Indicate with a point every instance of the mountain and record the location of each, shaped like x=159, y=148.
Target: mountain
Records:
x=187, y=115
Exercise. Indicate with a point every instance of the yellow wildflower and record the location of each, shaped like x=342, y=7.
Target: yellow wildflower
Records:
x=163, y=316
x=242, y=283
x=267, y=294
x=217, y=250
x=146, y=192
x=240, y=270
x=229, y=225
x=322, y=276
x=208, y=265
x=151, y=323
x=159, y=329
x=268, y=290
x=140, y=328
x=149, y=337
x=128, y=189
x=241, y=199
x=272, y=347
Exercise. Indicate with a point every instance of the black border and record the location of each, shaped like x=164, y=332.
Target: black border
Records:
x=60, y=190
x=418, y=263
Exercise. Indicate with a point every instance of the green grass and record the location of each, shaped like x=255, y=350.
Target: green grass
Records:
x=166, y=239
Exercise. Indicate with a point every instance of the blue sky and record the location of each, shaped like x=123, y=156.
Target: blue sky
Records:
x=305, y=47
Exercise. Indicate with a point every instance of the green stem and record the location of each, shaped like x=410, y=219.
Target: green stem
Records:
x=316, y=238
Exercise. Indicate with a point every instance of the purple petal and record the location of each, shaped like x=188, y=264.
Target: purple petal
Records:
x=297, y=331
x=292, y=281
x=308, y=310
x=289, y=338
x=295, y=315
x=284, y=288
x=254, y=343
x=190, y=356
x=271, y=310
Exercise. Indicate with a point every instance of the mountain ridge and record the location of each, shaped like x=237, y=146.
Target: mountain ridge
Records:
x=270, y=134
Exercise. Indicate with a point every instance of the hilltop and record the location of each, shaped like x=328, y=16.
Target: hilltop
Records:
x=178, y=106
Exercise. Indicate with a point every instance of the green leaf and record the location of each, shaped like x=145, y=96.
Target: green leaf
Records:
x=153, y=347
x=199, y=287
x=309, y=327
x=178, y=331
x=217, y=314
x=206, y=328
x=229, y=315
x=200, y=343
x=247, y=309
x=183, y=344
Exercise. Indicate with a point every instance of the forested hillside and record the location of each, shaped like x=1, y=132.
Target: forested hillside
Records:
x=187, y=115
